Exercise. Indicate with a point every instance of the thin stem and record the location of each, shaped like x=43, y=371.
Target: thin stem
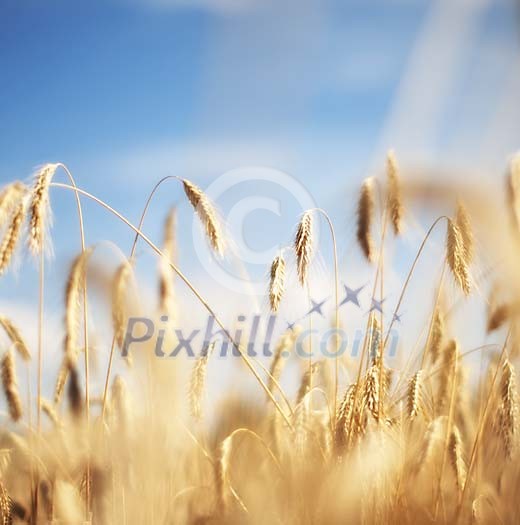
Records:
x=381, y=291
x=480, y=428
x=85, y=331
x=190, y=286
x=41, y=282
x=336, y=300
x=410, y=273
x=448, y=430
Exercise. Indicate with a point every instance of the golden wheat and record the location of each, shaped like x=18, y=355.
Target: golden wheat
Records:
x=303, y=246
x=207, y=214
x=10, y=386
x=277, y=282
x=395, y=194
x=365, y=216
x=39, y=209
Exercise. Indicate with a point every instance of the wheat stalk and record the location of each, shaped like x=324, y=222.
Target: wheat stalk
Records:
x=303, y=246
x=61, y=379
x=6, y=505
x=463, y=222
x=120, y=403
x=343, y=417
x=39, y=209
x=306, y=382
x=432, y=439
x=166, y=274
x=10, y=196
x=207, y=214
x=277, y=282
x=12, y=236
x=371, y=391
x=221, y=469
x=395, y=197
x=437, y=335
x=16, y=338
x=10, y=386
x=283, y=347
x=50, y=411
x=456, y=459
x=414, y=401
x=198, y=382
x=456, y=257
x=119, y=311
x=508, y=409
x=365, y=216
x=73, y=295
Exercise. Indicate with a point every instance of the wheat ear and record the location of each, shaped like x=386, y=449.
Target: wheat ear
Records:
x=456, y=459
x=119, y=311
x=12, y=236
x=198, y=382
x=463, y=221
x=414, y=397
x=16, y=338
x=221, y=469
x=395, y=197
x=73, y=296
x=39, y=209
x=9, y=198
x=207, y=214
x=508, y=409
x=277, y=282
x=303, y=246
x=365, y=217
x=10, y=386
x=456, y=256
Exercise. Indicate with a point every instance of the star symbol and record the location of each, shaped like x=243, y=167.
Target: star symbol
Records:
x=397, y=317
x=316, y=307
x=290, y=326
x=377, y=305
x=351, y=295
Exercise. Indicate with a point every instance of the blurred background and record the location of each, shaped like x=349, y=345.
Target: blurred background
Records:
x=127, y=91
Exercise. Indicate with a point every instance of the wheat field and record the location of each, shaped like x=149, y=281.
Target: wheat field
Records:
x=426, y=443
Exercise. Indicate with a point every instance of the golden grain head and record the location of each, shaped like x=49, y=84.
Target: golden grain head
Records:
x=277, y=282
x=456, y=257
x=12, y=235
x=456, y=457
x=198, y=382
x=303, y=246
x=39, y=208
x=207, y=215
x=10, y=197
x=15, y=337
x=437, y=334
x=414, y=397
x=122, y=278
x=395, y=194
x=10, y=386
x=73, y=297
x=365, y=218
x=463, y=222
x=508, y=410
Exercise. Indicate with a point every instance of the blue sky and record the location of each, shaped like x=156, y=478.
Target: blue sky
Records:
x=125, y=92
